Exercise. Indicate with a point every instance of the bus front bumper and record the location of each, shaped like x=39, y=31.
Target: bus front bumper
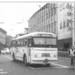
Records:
x=45, y=61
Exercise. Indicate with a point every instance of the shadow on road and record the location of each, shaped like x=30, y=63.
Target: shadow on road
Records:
x=33, y=65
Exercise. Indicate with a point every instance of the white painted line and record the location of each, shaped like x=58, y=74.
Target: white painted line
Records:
x=46, y=67
x=57, y=66
x=61, y=65
x=3, y=72
x=9, y=57
x=1, y=69
x=31, y=67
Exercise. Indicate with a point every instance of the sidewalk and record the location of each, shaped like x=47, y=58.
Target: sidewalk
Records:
x=63, y=54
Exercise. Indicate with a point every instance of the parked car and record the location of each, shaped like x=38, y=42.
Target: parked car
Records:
x=7, y=50
x=3, y=51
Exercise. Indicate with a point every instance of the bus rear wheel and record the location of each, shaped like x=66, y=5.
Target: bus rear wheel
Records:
x=14, y=57
x=25, y=60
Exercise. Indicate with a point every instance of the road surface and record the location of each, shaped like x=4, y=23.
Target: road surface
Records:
x=8, y=67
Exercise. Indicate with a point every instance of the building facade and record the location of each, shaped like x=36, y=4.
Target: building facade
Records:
x=2, y=38
x=45, y=19
x=56, y=18
x=65, y=20
x=8, y=40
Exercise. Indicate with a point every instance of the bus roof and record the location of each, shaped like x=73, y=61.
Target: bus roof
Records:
x=34, y=34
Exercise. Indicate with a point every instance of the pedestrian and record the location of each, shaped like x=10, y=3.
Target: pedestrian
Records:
x=72, y=54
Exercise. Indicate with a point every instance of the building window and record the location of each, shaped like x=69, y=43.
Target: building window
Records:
x=69, y=6
x=67, y=23
x=54, y=11
x=46, y=15
x=52, y=27
x=49, y=27
x=49, y=13
x=70, y=21
x=60, y=25
x=63, y=24
x=55, y=28
x=42, y=18
x=69, y=13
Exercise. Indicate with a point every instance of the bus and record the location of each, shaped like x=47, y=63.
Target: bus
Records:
x=35, y=48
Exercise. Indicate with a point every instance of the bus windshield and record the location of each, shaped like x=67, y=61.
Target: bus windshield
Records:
x=44, y=41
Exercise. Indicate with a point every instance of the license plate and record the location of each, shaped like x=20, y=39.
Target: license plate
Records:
x=46, y=55
x=45, y=61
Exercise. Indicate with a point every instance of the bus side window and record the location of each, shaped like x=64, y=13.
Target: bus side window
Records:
x=11, y=44
x=21, y=42
x=18, y=42
x=29, y=43
x=25, y=43
x=15, y=43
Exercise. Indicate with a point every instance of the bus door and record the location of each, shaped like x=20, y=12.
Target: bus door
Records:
x=18, y=49
x=29, y=49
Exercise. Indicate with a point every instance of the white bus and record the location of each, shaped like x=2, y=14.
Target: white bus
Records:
x=35, y=48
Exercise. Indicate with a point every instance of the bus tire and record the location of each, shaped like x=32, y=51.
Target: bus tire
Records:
x=14, y=57
x=25, y=60
x=47, y=65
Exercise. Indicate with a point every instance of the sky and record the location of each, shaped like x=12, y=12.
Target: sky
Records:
x=14, y=16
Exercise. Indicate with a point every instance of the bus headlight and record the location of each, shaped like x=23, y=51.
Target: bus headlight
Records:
x=35, y=55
